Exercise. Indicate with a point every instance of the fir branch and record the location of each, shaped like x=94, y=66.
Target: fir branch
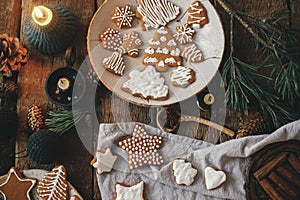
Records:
x=62, y=121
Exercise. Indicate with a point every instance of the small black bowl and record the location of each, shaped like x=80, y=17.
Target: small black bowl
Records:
x=71, y=96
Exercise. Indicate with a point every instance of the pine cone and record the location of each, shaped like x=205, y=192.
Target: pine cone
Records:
x=35, y=117
x=254, y=125
x=12, y=55
x=10, y=88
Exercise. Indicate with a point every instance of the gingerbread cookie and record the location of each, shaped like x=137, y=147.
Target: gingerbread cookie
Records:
x=184, y=34
x=197, y=15
x=111, y=39
x=192, y=53
x=147, y=84
x=131, y=44
x=183, y=171
x=133, y=192
x=123, y=16
x=16, y=186
x=103, y=161
x=54, y=184
x=156, y=13
x=213, y=178
x=162, y=51
x=182, y=77
x=142, y=148
x=114, y=64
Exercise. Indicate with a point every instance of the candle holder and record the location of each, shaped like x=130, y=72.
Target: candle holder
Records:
x=51, y=29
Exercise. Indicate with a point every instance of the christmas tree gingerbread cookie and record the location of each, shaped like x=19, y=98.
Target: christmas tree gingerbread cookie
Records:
x=162, y=51
x=197, y=15
x=147, y=84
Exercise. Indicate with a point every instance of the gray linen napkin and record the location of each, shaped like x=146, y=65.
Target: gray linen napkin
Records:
x=230, y=157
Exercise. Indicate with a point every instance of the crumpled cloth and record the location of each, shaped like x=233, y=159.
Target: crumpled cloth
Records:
x=232, y=157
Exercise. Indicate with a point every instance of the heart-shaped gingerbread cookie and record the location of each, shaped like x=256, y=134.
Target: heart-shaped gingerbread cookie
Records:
x=214, y=178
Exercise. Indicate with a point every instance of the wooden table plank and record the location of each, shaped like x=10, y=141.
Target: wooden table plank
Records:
x=32, y=80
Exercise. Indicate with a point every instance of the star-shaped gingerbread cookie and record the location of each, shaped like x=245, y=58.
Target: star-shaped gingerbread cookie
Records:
x=142, y=148
x=16, y=186
x=103, y=161
x=126, y=192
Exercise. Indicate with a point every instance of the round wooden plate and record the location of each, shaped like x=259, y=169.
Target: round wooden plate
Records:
x=210, y=39
x=39, y=174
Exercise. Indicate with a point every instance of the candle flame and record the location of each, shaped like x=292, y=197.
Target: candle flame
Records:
x=41, y=15
x=38, y=13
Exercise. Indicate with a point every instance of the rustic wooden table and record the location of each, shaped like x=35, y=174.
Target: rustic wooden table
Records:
x=14, y=15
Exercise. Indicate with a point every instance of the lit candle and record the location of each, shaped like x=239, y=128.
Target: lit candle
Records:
x=41, y=15
x=63, y=85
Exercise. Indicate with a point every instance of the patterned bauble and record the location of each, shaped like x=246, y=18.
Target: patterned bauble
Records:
x=8, y=123
x=54, y=37
x=42, y=147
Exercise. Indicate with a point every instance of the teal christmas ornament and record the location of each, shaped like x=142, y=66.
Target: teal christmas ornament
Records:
x=8, y=123
x=51, y=29
x=43, y=146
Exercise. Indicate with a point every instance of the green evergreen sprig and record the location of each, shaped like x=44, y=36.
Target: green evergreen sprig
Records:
x=281, y=49
x=62, y=121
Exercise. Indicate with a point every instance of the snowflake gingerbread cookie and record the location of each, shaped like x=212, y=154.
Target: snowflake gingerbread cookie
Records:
x=131, y=44
x=123, y=16
x=156, y=13
x=142, y=148
x=184, y=34
x=162, y=51
x=147, y=84
x=111, y=39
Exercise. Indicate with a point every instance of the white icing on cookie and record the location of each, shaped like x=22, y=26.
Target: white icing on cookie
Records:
x=131, y=43
x=175, y=52
x=150, y=60
x=156, y=13
x=156, y=43
x=162, y=31
x=147, y=83
x=149, y=50
x=114, y=63
x=213, y=178
x=197, y=14
x=181, y=76
x=161, y=63
x=163, y=39
x=184, y=34
x=135, y=192
x=104, y=161
x=192, y=53
x=123, y=16
x=184, y=172
x=170, y=60
x=111, y=39
x=172, y=43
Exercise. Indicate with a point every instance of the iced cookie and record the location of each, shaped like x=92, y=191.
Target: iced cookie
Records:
x=184, y=34
x=123, y=16
x=16, y=186
x=133, y=192
x=111, y=39
x=182, y=77
x=54, y=184
x=162, y=51
x=197, y=15
x=156, y=13
x=131, y=44
x=183, y=171
x=103, y=161
x=114, y=64
x=147, y=84
x=213, y=178
x=192, y=53
x=142, y=148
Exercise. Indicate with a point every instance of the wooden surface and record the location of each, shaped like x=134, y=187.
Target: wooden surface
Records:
x=14, y=15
